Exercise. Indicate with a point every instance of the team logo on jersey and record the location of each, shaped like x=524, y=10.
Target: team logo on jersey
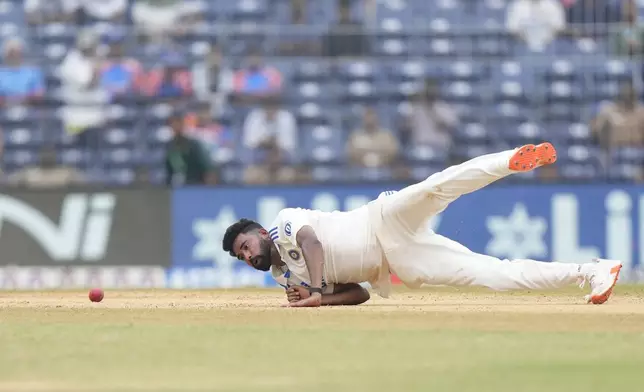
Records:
x=293, y=254
x=287, y=228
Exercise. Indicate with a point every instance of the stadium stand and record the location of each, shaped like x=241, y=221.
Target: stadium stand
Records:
x=501, y=90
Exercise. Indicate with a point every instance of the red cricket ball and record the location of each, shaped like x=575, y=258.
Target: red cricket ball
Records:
x=96, y=295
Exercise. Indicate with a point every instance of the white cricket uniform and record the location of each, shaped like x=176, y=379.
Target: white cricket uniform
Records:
x=390, y=234
x=351, y=252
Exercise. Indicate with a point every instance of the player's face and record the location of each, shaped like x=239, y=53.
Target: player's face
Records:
x=255, y=249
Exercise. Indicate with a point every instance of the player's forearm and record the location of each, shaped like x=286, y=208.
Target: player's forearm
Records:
x=314, y=258
x=354, y=296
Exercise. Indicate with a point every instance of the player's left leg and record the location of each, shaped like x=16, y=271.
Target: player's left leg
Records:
x=406, y=212
x=436, y=260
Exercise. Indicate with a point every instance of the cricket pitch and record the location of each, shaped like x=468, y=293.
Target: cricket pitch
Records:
x=437, y=339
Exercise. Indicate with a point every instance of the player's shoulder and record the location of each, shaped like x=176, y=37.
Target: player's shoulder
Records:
x=293, y=210
x=290, y=214
x=276, y=228
x=286, y=221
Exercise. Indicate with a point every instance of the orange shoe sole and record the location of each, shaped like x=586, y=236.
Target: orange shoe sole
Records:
x=530, y=157
x=601, y=298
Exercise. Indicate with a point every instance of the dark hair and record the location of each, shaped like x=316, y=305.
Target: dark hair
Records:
x=241, y=226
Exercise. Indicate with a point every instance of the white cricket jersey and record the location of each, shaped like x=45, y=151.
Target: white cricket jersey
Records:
x=351, y=251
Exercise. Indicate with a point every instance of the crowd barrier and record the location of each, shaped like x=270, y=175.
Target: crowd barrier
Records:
x=151, y=238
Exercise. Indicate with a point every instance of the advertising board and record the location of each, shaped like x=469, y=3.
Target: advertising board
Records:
x=66, y=239
x=542, y=222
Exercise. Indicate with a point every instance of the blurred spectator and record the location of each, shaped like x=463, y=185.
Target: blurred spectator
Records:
x=186, y=161
x=50, y=11
x=169, y=81
x=621, y=123
x=535, y=22
x=119, y=73
x=372, y=145
x=203, y=127
x=628, y=39
x=299, y=43
x=271, y=134
x=155, y=17
x=256, y=79
x=347, y=38
x=80, y=74
x=431, y=120
x=114, y=11
x=192, y=15
x=213, y=80
x=271, y=128
x=299, y=10
x=273, y=171
x=48, y=174
x=591, y=18
x=19, y=83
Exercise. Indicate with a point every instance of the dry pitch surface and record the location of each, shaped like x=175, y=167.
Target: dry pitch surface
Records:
x=430, y=340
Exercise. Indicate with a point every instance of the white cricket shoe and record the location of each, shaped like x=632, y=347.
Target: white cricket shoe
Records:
x=602, y=275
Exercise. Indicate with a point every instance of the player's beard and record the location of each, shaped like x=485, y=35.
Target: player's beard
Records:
x=262, y=261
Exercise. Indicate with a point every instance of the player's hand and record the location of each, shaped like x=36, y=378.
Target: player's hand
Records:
x=296, y=293
x=313, y=301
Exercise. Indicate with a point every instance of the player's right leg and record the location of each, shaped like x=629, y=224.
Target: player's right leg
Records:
x=436, y=260
x=406, y=212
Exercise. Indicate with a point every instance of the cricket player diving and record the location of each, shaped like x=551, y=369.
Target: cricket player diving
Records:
x=322, y=257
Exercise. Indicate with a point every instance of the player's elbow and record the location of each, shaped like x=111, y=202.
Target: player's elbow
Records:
x=359, y=295
x=362, y=295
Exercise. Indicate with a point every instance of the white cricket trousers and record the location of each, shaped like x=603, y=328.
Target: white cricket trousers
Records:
x=419, y=256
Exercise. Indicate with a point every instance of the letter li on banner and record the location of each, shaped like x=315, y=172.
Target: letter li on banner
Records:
x=618, y=230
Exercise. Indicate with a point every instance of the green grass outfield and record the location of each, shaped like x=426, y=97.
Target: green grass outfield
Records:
x=241, y=340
